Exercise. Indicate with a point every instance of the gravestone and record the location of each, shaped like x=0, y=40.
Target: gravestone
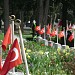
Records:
x=39, y=39
x=57, y=45
x=63, y=46
x=50, y=43
x=45, y=42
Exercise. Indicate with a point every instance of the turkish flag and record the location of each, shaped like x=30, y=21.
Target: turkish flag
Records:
x=61, y=34
x=71, y=37
x=13, y=58
x=48, y=29
x=37, y=28
x=7, y=39
x=54, y=33
x=42, y=31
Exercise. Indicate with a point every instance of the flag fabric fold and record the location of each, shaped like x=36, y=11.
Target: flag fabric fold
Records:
x=48, y=29
x=61, y=34
x=7, y=39
x=37, y=28
x=71, y=37
x=13, y=58
x=54, y=33
x=42, y=31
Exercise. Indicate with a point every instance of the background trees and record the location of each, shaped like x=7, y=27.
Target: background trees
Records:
x=40, y=10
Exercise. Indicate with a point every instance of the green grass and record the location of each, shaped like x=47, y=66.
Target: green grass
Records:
x=1, y=37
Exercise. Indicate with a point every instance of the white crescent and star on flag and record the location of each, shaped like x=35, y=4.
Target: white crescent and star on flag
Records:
x=16, y=55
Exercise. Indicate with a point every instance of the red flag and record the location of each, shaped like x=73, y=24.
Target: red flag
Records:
x=13, y=59
x=54, y=33
x=71, y=37
x=7, y=39
x=37, y=28
x=48, y=29
x=61, y=34
x=41, y=31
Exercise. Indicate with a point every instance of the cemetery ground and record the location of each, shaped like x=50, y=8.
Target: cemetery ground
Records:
x=45, y=60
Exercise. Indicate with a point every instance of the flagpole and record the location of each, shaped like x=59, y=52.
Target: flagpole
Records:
x=12, y=33
x=57, y=34
x=40, y=28
x=0, y=56
x=22, y=47
x=74, y=35
x=66, y=28
x=51, y=27
x=44, y=33
x=12, y=19
x=64, y=38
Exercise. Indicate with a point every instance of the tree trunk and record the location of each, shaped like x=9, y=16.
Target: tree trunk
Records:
x=64, y=14
x=45, y=13
x=42, y=12
x=6, y=15
x=22, y=19
x=39, y=12
x=64, y=17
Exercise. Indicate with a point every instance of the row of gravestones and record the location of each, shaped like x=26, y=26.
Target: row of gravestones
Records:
x=51, y=43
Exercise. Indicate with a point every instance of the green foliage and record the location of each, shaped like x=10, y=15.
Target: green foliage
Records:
x=45, y=60
x=42, y=60
x=67, y=57
x=1, y=37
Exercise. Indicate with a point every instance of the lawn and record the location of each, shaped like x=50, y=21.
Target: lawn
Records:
x=1, y=36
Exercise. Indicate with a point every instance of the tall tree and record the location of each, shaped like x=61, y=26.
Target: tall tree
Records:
x=64, y=17
x=42, y=7
x=45, y=13
x=6, y=15
x=40, y=15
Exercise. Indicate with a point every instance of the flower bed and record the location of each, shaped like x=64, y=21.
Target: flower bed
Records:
x=67, y=57
x=44, y=60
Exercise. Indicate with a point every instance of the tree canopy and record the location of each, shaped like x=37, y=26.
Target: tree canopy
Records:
x=41, y=10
